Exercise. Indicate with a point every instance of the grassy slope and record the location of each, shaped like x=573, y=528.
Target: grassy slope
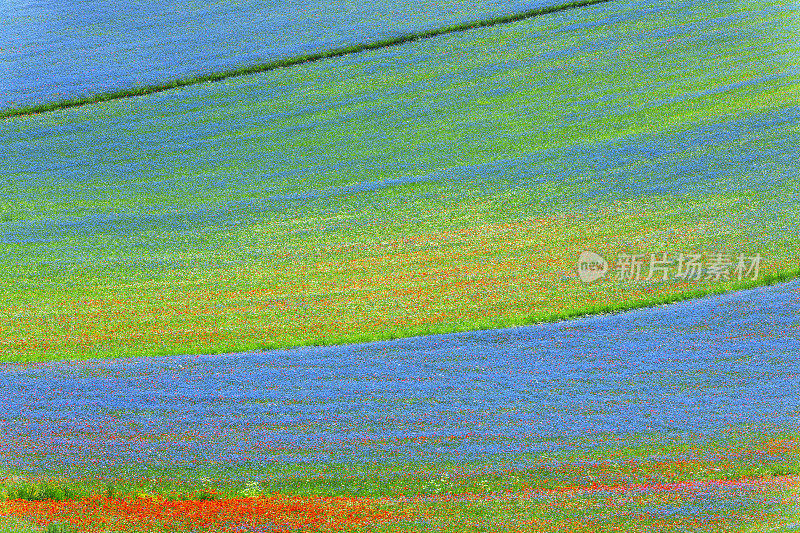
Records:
x=441, y=185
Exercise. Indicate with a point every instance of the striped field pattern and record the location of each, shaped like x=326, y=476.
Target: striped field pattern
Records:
x=442, y=185
x=315, y=275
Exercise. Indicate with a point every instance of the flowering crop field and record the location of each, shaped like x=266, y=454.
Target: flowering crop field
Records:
x=443, y=185
x=543, y=427
x=459, y=397
x=60, y=49
x=384, y=245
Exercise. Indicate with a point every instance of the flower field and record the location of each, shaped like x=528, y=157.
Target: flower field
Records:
x=62, y=50
x=347, y=292
x=457, y=397
x=709, y=506
x=447, y=184
x=515, y=429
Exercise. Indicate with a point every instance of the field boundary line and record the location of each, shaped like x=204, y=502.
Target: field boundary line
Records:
x=293, y=61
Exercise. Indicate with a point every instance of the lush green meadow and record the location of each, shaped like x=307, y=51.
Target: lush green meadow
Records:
x=441, y=185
